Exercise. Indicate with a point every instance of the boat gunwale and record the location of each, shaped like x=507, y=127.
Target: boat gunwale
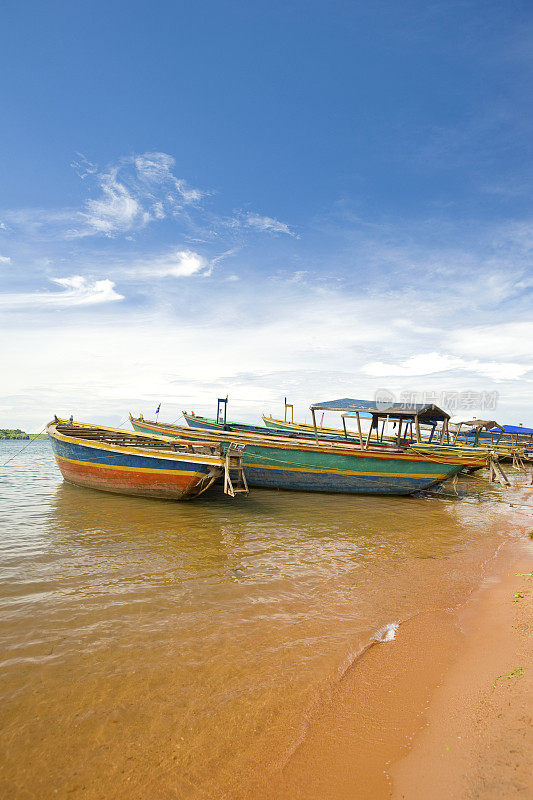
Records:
x=170, y=455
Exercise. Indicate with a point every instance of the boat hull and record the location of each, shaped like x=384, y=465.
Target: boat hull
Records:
x=121, y=472
x=305, y=467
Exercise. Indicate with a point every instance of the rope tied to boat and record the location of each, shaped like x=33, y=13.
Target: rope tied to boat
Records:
x=35, y=436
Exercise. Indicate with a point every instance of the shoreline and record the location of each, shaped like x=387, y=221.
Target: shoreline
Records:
x=392, y=726
x=478, y=738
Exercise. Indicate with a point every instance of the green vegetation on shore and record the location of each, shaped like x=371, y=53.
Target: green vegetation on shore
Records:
x=16, y=433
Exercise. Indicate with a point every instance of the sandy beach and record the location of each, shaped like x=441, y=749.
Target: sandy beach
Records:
x=478, y=738
x=443, y=711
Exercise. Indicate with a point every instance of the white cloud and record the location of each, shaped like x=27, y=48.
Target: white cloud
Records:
x=133, y=193
x=503, y=340
x=156, y=169
x=77, y=291
x=116, y=210
x=176, y=264
x=83, y=166
x=308, y=343
x=267, y=224
x=127, y=196
x=130, y=194
x=432, y=363
x=5, y=260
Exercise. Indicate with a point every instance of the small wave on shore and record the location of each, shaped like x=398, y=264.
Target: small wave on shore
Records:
x=387, y=633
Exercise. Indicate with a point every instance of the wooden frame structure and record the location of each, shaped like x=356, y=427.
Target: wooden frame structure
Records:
x=287, y=406
x=414, y=414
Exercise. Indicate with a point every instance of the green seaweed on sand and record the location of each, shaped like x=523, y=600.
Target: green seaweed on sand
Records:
x=516, y=673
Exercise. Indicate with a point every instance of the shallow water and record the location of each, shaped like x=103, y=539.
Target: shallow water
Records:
x=176, y=650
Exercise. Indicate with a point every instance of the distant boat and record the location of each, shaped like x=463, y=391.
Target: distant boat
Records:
x=300, y=464
x=210, y=423
x=477, y=442
x=123, y=462
x=302, y=427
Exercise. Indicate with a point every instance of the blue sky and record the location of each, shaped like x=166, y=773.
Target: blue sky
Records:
x=312, y=199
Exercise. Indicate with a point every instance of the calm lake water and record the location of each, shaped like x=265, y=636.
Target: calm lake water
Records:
x=153, y=649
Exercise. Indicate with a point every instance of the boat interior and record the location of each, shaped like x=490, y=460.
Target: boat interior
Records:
x=129, y=439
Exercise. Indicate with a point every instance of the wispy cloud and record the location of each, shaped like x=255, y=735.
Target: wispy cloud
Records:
x=309, y=342
x=83, y=166
x=5, y=259
x=156, y=169
x=503, y=340
x=175, y=264
x=129, y=195
x=267, y=224
x=434, y=363
x=138, y=190
x=77, y=291
x=115, y=211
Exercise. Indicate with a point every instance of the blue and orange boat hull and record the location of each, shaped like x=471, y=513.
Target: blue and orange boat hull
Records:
x=133, y=470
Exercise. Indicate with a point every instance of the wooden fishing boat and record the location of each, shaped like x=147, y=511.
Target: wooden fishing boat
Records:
x=123, y=462
x=499, y=435
x=325, y=466
x=210, y=423
x=221, y=423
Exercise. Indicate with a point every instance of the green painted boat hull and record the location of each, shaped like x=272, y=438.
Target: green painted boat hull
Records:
x=306, y=467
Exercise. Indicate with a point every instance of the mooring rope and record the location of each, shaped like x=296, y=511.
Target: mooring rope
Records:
x=25, y=446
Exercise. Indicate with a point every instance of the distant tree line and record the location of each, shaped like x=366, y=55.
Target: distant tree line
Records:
x=15, y=433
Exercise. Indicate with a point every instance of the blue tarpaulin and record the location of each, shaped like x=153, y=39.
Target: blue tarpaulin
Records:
x=514, y=429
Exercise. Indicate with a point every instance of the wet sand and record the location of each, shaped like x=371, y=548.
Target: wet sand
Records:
x=478, y=739
x=427, y=715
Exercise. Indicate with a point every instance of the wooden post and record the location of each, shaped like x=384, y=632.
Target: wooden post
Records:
x=417, y=427
x=344, y=426
x=287, y=406
x=496, y=472
x=314, y=424
x=369, y=433
x=359, y=429
x=457, y=433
